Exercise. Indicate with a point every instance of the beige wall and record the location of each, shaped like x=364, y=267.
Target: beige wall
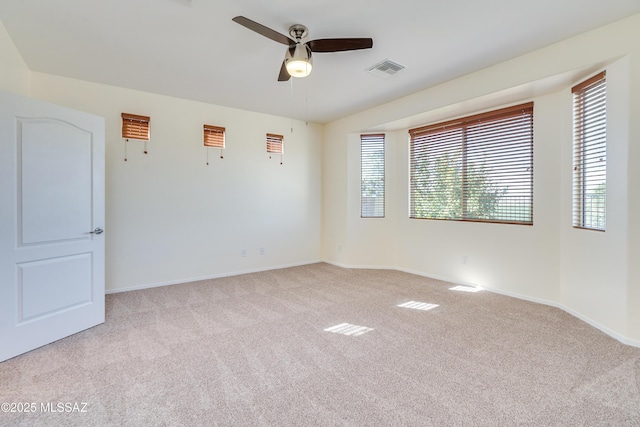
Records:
x=633, y=197
x=170, y=217
x=14, y=74
x=590, y=274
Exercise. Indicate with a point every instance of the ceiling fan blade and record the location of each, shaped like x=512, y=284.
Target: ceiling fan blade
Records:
x=265, y=31
x=284, y=74
x=339, y=45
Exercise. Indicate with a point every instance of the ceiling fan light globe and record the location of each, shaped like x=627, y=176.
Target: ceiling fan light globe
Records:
x=298, y=68
x=298, y=62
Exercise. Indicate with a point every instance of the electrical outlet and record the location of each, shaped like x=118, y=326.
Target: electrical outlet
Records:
x=243, y=252
x=262, y=251
x=465, y=259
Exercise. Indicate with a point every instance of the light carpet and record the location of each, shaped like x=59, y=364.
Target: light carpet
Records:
x=271, y=349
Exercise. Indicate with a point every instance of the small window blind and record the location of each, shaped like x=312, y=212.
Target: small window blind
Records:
x=135, y=127
x=590, y=153
x=214, y=136
x=372, y=176
x=476, y=168
x=275, y=143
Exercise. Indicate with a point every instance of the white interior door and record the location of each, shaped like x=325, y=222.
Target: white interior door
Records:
x=51, y=221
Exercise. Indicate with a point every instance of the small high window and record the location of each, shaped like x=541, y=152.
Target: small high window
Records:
x=214, y=136
x=135, y=127
x=275, y=143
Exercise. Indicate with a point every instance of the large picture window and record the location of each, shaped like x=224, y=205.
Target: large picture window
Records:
x=476, y=168
x=590, y=153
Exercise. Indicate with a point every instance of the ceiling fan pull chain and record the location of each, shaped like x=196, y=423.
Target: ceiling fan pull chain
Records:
x=306, y=102
x=291, y=103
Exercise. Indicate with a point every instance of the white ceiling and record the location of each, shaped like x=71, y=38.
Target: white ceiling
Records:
x=191, y=48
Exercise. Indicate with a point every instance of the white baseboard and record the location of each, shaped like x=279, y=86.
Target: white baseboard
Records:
x=571, y=311
x=577, y=314
x=360, y=267
x=435, y=277
x=606, y=330
x=213, y=276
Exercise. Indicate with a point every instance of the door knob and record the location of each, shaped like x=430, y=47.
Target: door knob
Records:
x=98, y=230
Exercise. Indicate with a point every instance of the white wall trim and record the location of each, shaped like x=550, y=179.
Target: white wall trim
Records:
x=214, y=276
x=610, y=332
x=360, y=267
x=441, y=278
x=574, y=313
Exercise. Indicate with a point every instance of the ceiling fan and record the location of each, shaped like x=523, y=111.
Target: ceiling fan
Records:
x=297, y=61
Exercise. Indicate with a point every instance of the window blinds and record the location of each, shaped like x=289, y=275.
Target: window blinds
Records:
x=372, y=176
x=590, y=153
x=135, y=126
x=214, y=136
x=477, y=168
x=274, y=143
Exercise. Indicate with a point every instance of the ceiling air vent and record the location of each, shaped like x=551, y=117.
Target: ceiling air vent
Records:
x=385, y=68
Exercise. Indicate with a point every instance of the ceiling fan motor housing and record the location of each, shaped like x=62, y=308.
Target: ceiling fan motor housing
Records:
x=298, y=31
